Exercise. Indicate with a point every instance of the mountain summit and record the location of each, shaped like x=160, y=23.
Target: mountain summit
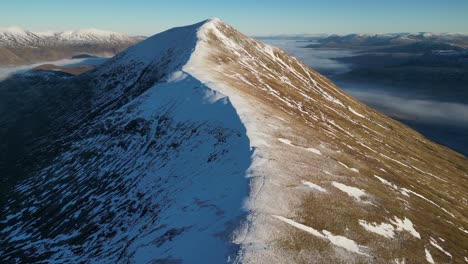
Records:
x=202, y=145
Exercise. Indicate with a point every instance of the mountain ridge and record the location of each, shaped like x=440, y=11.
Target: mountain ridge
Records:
x=20, y=47
x=319, y=170
x=379, y=40
x=16, y=36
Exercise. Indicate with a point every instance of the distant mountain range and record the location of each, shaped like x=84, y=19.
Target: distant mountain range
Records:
x=425, y=61
x=380, y=40
x=19, y=46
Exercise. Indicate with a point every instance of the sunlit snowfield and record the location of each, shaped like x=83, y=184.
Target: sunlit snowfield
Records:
x=442, y=121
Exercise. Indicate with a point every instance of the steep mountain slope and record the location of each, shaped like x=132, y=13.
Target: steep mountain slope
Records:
x=182, y=127
x=18, y=46
x=307, y=132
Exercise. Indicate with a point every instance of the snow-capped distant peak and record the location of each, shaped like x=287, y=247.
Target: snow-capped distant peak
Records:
x=16, y=36
x=91, y=35
x=12, y=30
x=89, y=32
x=47, y=33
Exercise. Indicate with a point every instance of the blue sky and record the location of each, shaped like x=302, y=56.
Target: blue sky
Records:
x=254, y=17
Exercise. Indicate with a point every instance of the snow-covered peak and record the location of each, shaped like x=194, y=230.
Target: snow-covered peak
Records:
x=16, y=36
x=47, y=33
x=89, y=31
x=214, y=20
x=12, y=30
x=180, y=44
x=91, y=35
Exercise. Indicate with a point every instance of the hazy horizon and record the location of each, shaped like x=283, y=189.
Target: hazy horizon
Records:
x=262, y=18
x=318, y=34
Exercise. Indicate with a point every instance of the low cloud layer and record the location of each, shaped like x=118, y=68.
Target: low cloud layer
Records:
x=8, y=71
x=426, y=111
x=318, y=59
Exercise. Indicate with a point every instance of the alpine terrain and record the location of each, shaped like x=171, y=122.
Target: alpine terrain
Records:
x=19, y=46
x=202, y=145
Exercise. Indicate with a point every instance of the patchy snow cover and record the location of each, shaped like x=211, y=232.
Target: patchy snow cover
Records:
x=343, y=242
x=463, y=230
x=351, y=191
x=314, y=186
x=383, y=229
x=314, y=150
x=393, y=186
x=339, y=241
x=436, y=245
x=429, y=256
x=308, y=229
x=288, y=142
x=405, y=224
x=388, y=230
x=356, y=113
x=349, y=168
x=406, y=192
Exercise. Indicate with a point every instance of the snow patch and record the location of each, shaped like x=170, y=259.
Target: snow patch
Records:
x=314, y=186
x=406, y=225
x=351, y=191
x=314, y=150
x=339, y=241
x=343, y=242
x=429, y=256
x=383, y=229
x=356, y=113
x=349, y=168
x=286, y=141
x=176, y=76
x=436, y=245
x=406, y=192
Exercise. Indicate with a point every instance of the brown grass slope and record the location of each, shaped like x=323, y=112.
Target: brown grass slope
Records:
x=309, y=110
